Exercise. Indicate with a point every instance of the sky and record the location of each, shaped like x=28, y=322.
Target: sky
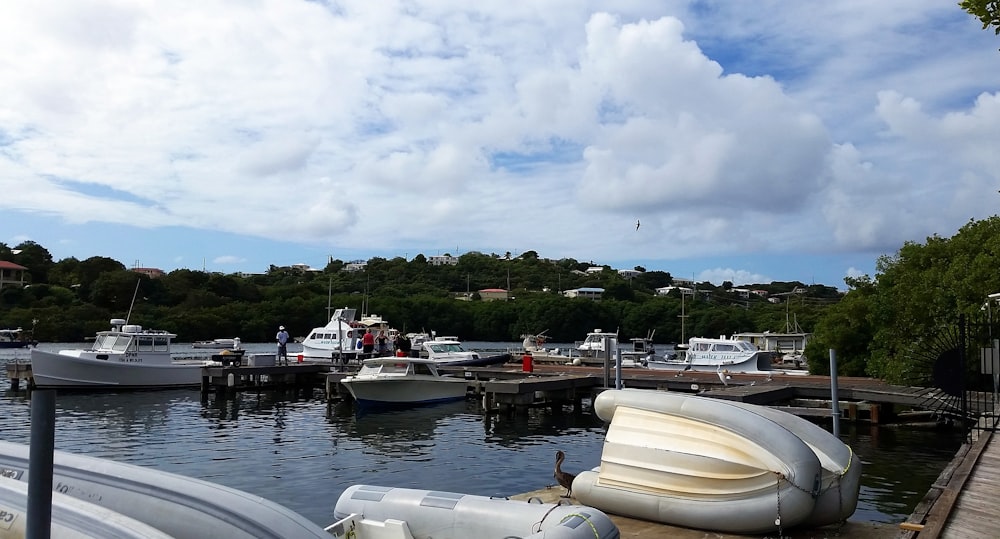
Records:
x=715, y=140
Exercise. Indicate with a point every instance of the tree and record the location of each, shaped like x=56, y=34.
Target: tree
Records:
x=987, y=11
x=36, y=258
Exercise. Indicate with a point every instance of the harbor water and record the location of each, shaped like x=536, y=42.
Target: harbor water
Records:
x=297, y=450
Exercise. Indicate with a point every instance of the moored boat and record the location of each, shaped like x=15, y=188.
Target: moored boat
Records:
x=398, y=381
x=715, y=355
x=340, y=339
x=219, y=344
x=127, y=356
x=15, y=338
x=448, y=351
x=366, y=511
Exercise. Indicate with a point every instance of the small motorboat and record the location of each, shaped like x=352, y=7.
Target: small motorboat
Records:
x=448, y=351
x=219, y=344
x=395, y=381
x=16, y=338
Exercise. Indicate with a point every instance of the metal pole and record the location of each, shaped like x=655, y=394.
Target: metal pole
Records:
x=618, y=367
x=607, y=364
x=834, y=399
x=40, y=464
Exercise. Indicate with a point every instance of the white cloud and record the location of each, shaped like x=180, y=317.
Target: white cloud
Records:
x=548, y=125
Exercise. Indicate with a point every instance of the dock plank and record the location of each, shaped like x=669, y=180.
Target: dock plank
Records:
x=631, y=527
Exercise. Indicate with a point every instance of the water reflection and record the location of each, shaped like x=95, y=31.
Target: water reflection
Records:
x=302, y=452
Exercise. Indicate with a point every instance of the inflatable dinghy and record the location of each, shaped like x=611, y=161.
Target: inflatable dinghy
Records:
x=71, y=518
x=365, y=511
x=699, y=462
x=177, y=505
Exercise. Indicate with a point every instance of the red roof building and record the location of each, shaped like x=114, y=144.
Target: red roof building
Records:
x=11, y=274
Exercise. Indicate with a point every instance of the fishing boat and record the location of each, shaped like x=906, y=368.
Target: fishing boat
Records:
x=367, y=512
x=715, y=355
x=176, y=505
x=677, y=459
x=15, y=338
x=395, y=381
x=127, y=356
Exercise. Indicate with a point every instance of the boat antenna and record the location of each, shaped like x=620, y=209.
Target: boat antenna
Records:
x=134, y=294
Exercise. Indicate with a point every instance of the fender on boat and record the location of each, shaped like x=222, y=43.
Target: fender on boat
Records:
x=71, y=517
x=179, y=506
x=699, y=463
x=449, y=515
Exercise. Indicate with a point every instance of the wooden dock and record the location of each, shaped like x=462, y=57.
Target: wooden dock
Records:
x=635, y=528
x=962, y=502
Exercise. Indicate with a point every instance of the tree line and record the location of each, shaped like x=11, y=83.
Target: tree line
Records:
x=71, y=299
x=886, y=326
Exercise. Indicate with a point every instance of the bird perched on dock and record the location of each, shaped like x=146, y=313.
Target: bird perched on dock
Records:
x=564, y=479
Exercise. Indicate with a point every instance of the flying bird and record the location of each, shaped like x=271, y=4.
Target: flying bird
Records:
x=637, y=224
x=564, y=479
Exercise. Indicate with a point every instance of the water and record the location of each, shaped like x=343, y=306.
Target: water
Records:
x=297, y=450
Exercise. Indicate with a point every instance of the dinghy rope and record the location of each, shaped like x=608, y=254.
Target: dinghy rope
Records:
x=585, y=519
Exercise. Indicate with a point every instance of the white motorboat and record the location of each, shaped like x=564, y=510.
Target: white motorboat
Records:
x=70, y=517
x=448, y=350
x=388, y=381
x=715, y=355
x=218, y=344
x=15, y=338
x=340, y=339
x=367, y=512
x=127, y=356
x=175, y=505
x=678, y=458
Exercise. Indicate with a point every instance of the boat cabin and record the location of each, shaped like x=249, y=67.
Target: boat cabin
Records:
x=131, y=338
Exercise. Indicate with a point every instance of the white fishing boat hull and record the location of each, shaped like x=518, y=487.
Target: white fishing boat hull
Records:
x=71, y=518
x=448, y=515
x=86, y=371
x=700, y=463
x=176, y=505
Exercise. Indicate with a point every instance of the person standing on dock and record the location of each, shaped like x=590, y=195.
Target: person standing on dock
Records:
x=367, y=343
x=282, y=338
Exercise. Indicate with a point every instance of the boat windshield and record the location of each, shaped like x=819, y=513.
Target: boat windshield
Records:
x=115, y=342
x=447, y=347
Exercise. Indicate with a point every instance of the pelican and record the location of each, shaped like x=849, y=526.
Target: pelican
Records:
x=564, y=479
x=722, y=375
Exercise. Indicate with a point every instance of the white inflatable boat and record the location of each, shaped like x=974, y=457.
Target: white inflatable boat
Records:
x=365, y=511
x=71, y=518
x=711, y=464
x=174, y=504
